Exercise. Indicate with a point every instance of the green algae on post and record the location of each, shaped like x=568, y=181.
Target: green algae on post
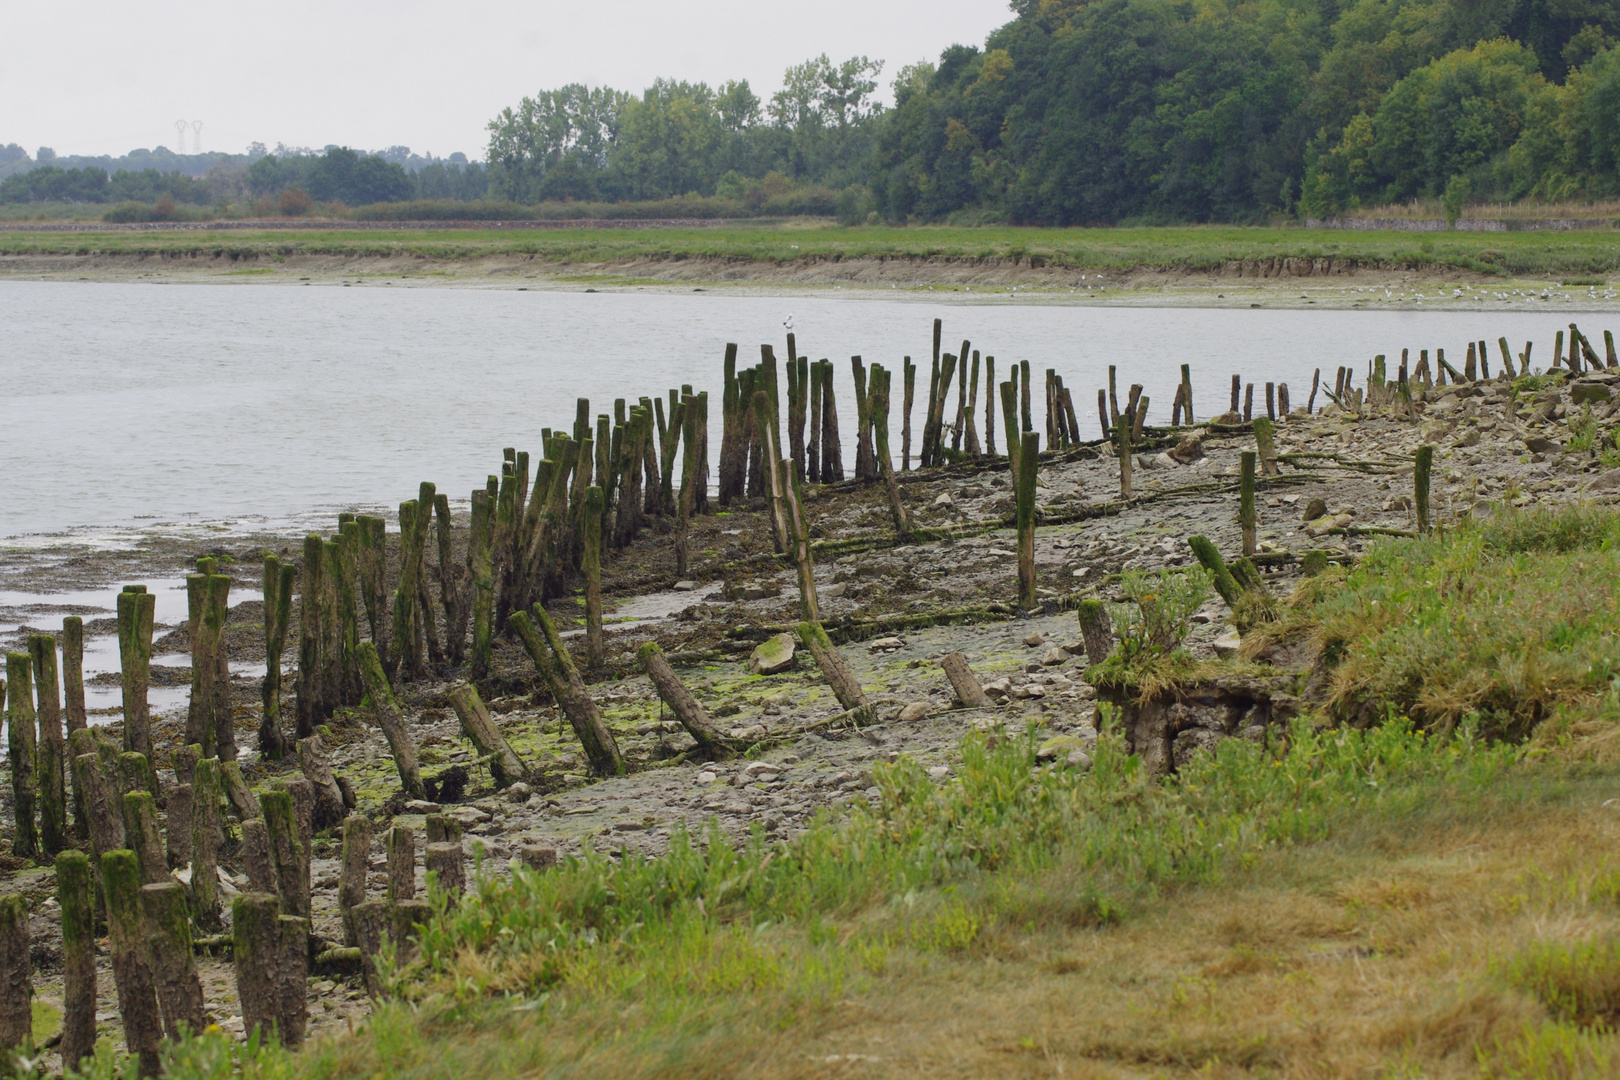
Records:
x=20, y=728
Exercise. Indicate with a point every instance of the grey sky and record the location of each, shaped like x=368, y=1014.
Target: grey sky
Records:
x=105, y=77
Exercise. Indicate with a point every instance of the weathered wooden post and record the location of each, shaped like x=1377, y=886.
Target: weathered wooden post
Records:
x=504, y=765
x=909, y=375
x=673, y=692
x=20, y=744
x=312, y=759
x=179, y=991
x=287, y=851
x=545, y=647
x=52, y=749
x=1265, y=442
x=1029, y=454
x=990, y=405
x=591, y=565
x=255, y=853
x=832, y=455
x=689, y=468
x=880, y=420
x=1096, y=630
x=136, y=608
x=448, y=863
x=222, y=725
x=480, y=559
x=386, y=710
x=16, y=975
x=206, y=837
x=279, y=579
x=401, y=844
x=255, y=949
x=143, y=837
x=1423, y=464
x=1246, y=512
x=76, y=893
x=844, y=685
x=132, y=971
x=356, y=868
x=963, y=682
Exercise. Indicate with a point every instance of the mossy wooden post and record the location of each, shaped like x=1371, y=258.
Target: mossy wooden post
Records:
x=448, y=863
x=317, y=769
x=959, y=425
x=179, y=991
x=798, y=529
x=373, y=570
x=1054, y=438
x=206, y=837
x=673, y=692
x=16, y=975
x=845, y=687
x=73, y=672
x=1265, y=442
x=591, y=565
x=76, y=893
x=1246, y=512
x=551, y=659
x=798, y=401
x=135, y=618
x=401, y=844
x=969, y=693
x=255, y=941
x=832, y=454
x=1423, y=464
x=1096, y=630
x=1609, y=357
x=812, y=454
x=990, y=405
x=881, y=378
x=408, y=644
x=1009, y=421
x=131, y=963
x=221, y=723
x=20, y=743
x=312, y=666
x=386, y=710
x=689, y=469
x=345, y=581
x=105, y=816
x=1029, y=456
x=1123, y=450
x=970, y=417
x=480, y=556
x=731, y=420
x=1026, y=422
x=909, y=374
x=1186, y=394
x=504, y=765
x=864, y=466
x=279, y=581
x=287, y=851
x=258, y=863
x=947, y=375
x=1210, y=559
x=200, y=701
x=356, y=869
x=142, y=836
x=50, y=769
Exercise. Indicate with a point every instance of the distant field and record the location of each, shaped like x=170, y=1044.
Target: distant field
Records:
x=1191, y=248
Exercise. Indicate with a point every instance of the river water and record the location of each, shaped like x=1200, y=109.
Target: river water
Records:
x=130, y=405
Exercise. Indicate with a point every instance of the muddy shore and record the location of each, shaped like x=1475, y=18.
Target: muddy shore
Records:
x=895, y=609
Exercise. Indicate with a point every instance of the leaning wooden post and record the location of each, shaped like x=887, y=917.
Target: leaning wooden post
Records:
x=1316, y=381
x=591, y=565
x=127, y=941
x=1423, y=464
x=880, y=425
x=1096, y=630
x=20, y=726
x=317, y=768
x=673, y=692
x=206, y=837
x=179, y=991
x=1029, y=457
x=844, y=685
x=76, y=893
x=504, y=765
x=52, y=750
x=389, y=718
x=799, y=541
x=16, y=975
x=136, y=608
x=966, y=686
x=970, y=417
x=1265, y=442
x=545, y=647
x=1246, y=513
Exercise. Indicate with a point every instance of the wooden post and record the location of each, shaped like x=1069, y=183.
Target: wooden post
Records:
x=1210, y=559
x=1029, y=451
x=556, y=667
x=287, y=851
x=311, y=708
x=222, y=725
x=968, y=691
x=673, y=692
x=814, y=463
x=832, y=456
x=685, y=500
x=1009, y=421
x=1122, y=449
x=504, y=765
x=448, y=863
x=105, y=817
x=373, y=572
x=990, y=405
x=1423, y=464
x=1316, y=379
x=864, y=466
x=1248, y=403
x=135, y=614
x=1246, y=513
x=52, y=749
x=201, y=699
x=73, y=672
x=798, y=539
x=76, y=893
x=480, y=552
x=1282, y=400
x=1023, y=397
x=21, y=747
x=1266, y=444
x=844, y=685
x=206, y=837
x=591, y=564
x=131, y=963
x=142, y=835
x=179, y=991
x=401, y=864
x=386, y=711
x=970, y=416
x=279, y=579
x=256, y=854
x=1096, y=630
x=255, y=947
x=909, y=375
x=356, y=869
x=345, y=564
x=408, y=644
x=959, y=426
x=16, y=975
x=1271, y=402
x=329, y=808
x=880, y=425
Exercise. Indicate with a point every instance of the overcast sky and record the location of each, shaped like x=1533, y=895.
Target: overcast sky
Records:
x=99, y=77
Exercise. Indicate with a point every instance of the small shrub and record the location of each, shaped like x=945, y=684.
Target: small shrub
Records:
x=1579, y=983
x=294, y=202
x=1156, y=621
x=127, y=213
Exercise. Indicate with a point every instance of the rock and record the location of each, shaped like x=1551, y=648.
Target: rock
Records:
x=1033, y=638
x=832, y=592
x=945, y=500
x=772, y=655
x=914, y=711
x=1468, y=438
x=1058, y=746
x=1321, y=526
x=466, y=815
x=1589, y=393
x=706, y=777
x=1539, y=445
x=761, y=770
x=518, y=792
x=1313, y=510
x=1078, y=760
x=1189, y=449
x=1054, y=657
x=1228, y=643
x=761, y=590
x=752, y=733
x=422, y=806
x=1074, y=648
x=1033, y=690
x=884, y=644
x=939, y=773
x=686, y=586
x=998, y=688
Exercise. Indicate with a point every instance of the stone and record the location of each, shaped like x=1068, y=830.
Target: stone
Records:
x=1078, y=760
x=1589, y=393
x=686, y=586
x=998, y=688
x=518, y=792
x=1321, y=526
x=761, y=590
x=1033, y=690
x=884, y=644
x=832, y=592
x=706, y=777
x=1054, y=657
x=1539, y=445
x=939, y=773
x=1074, y=648
x=1033, y=638
x=1467, y=438
x=1058, y=746
x=1188, y=450
x=762, y=770
x=1313, y=510
x=772, y=655
x=1227, y=644
x=914, y=711
x=945, y=500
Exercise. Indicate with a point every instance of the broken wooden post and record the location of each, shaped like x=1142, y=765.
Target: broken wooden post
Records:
x=255, y=947
x=179, y=991
x=545, y=647
x=401, y=844
x=1423, y=464
x=673, y=692
x=255, y=854
x=206, y=837
x=279, y=579
x=844, y=685
x=49, y=770
x=1246, y=513
x=356, y=869
x=1096, y=630
x=1265, y=442
x=142, y=835
x=968, y=691
x=131, y=965
x=287, y=851
x=20, y=744
x=136, y=608
x=448, y=863
x=76, y=894
x=329, y=808
x=1210, y=559
x=241, y=800
x=1029, y=454
x=106, y=817
x=386, y=710
x=16, y=975
x=504, y=765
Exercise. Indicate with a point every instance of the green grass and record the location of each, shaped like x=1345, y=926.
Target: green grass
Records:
x=1192, y=247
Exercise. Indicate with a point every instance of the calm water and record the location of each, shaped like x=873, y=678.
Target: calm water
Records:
x=128, y=405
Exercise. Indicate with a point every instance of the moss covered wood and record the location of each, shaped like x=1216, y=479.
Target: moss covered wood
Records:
x=480, y=561
x=504, y=765
x=20, y=745
x=52, y=747
x=135, y=621
x=845, y=687
x=556, y=668
x=179, y=990
x=127, y=935
x=76, y=895
x=277, y=590
x=388, y=716
x=674, y=693
x=16, y=975
x=1029, y=455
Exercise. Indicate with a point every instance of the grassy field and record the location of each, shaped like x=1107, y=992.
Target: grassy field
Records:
x=1344, y=902
x=1593, y=252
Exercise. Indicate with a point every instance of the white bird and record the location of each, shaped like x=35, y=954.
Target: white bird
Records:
x=787, y=323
